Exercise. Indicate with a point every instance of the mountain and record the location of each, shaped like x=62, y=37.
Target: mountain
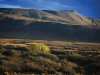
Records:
x=48, y=25
x=69, y=17
x=72, y=16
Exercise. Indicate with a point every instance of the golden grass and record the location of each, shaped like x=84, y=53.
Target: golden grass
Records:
x=52, y=43
x=67, y=60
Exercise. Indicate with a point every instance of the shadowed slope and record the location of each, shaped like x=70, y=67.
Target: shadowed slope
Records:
x=29, y=28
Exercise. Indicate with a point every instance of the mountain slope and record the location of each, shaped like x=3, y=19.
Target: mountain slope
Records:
x=94, y=20
x=33, y=13
x=73, y=16
x=68, y=17
x=13, y=26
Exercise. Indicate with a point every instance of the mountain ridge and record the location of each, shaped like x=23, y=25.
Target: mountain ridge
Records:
x=71, y=17
x=62, y=26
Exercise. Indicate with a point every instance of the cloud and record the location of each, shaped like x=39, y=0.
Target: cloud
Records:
x=8, y=6
x=48, y=5
x=37, y=4
x=57, y=6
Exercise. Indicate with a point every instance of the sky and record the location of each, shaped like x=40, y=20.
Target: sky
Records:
x=90, y=8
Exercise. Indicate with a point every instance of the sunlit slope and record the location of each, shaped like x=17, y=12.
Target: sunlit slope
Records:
x=69, y=17
x=33, y=13
x=72, y=16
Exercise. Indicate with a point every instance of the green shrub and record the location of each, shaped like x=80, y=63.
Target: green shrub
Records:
x=39, y=48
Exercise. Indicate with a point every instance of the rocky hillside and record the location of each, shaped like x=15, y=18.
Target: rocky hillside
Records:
x=52, y=25
x=69, y=17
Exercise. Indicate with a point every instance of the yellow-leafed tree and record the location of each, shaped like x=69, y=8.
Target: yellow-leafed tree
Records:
x=35, y=47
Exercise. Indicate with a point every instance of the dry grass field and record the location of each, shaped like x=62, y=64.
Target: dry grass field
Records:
x=64, y=58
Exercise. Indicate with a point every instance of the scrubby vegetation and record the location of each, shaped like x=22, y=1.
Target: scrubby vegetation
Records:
x=52, y=59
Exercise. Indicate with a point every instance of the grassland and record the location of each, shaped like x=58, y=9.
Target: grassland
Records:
x=64, y=58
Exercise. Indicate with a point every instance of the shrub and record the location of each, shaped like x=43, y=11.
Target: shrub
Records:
x=2, y=50
x=9, y=47
x=8, y=53
x=47, y=61
x=79, y=70
x=93, y=67
x=39, y=47
x=21, y=48
x=4, y=69
x=1, y=46
x=73, y=54
x=49, y=56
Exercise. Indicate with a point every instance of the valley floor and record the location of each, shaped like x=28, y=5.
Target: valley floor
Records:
x=65, y=58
